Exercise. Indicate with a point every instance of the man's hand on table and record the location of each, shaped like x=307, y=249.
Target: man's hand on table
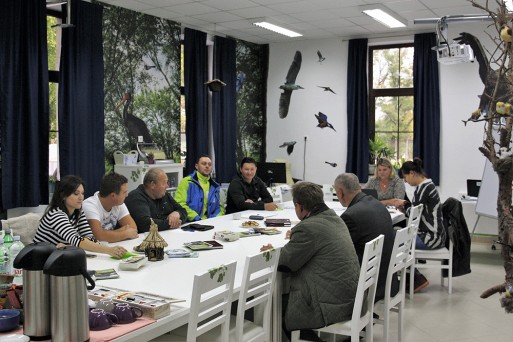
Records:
x=174, y=220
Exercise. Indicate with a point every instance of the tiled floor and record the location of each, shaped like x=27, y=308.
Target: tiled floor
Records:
x=434, y=315
x=462, y=316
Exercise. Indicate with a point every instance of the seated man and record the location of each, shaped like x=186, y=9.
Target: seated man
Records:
x=150, y=200
x=367, y=218
x=247, y=191
x=198, y=194
x=321, y=261
x=107, y=213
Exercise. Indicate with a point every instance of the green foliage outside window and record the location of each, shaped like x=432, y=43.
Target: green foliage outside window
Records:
x=392, y=96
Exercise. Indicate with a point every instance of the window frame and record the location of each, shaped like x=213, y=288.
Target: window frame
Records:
x=389, y=92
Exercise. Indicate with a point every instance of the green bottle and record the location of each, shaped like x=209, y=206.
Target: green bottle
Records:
x=8, y=240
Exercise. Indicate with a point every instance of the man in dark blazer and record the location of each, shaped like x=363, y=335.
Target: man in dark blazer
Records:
x=367, y=218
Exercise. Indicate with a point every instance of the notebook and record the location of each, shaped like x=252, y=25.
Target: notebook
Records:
x=473, y=186
x=371, y=192
x=203, y=245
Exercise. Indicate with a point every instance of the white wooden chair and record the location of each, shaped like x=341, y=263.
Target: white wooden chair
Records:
x=223, y=194
x=441, y=255
x=276, y=194
x=366, y=291
x=210, y=305
x=398, y=265
x=255, y=292
x=329, y=192
x=413, y=221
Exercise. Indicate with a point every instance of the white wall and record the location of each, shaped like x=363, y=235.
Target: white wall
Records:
x=460, y=86
x=322, y=144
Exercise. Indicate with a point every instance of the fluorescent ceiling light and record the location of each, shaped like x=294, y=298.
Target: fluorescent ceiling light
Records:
x=382, y=15
x=277, y=29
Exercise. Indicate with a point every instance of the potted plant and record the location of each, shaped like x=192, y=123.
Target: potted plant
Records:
x=377, y=149
x=51, y=184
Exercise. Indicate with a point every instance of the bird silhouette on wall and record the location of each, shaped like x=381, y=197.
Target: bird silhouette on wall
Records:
x=323, y=121
x=321, y=58
x=134, y=126
x=289, y=145
x=327, y=89
x=488, y=77
x=290, y=85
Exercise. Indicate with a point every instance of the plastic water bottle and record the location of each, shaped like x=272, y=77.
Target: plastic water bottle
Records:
x=16, y=247
x=4, y=258
x=8, y=240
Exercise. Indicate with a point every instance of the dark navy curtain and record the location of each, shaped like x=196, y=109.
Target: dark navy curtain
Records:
x=357, y=110
x=426, y=105
x=196, y=96
x=81, y=113
x=24, y=109
x=224, y=113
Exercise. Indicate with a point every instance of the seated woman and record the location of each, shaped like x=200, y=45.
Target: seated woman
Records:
x=64, y=222
x=431, y=233
x=390, y=187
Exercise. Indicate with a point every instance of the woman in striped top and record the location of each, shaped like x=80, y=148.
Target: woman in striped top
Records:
x=64, y=221
x=431, y=233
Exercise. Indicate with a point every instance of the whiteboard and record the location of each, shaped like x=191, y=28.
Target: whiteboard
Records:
x=487, y=200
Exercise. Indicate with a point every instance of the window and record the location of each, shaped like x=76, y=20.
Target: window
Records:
x=391, y=99
x=53, y=43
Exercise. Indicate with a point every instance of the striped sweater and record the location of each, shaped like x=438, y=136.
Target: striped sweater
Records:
x=57, y=227
x=431, y=227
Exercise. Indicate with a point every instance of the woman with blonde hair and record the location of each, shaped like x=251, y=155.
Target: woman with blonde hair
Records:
x=390, y=187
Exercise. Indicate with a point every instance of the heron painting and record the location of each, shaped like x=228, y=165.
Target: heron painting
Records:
x=134, y=126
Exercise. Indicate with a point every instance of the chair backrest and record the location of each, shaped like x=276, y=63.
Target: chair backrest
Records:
x=414, y=221
x=415, y=216
x=256, y=289
x=223, y=194
x=404, y=239
x=329, y=192
x=276, y=193
x=368, y=279
x=25, y=226
x=211, y=301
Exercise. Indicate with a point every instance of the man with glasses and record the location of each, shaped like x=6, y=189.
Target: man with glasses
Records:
x=150, y=200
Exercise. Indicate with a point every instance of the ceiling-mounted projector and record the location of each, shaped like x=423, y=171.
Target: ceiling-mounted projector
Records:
x=454, y=53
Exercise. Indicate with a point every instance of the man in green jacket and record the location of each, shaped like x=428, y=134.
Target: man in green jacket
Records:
x=199, y=194
x=321, y=262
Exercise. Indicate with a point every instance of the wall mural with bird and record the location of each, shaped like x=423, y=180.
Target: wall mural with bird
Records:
x=142, y=82
x=289, y=85
x=252, y=63
x=301, y=81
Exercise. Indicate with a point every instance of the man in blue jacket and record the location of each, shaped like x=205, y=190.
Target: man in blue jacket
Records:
x=198, y=193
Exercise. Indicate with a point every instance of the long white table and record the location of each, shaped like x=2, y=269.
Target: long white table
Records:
x=173, y=277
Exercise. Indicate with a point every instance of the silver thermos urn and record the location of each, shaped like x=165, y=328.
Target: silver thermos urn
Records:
x=67, y=268
x=36, y=290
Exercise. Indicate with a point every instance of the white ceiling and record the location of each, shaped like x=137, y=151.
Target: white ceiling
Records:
x=315, y=19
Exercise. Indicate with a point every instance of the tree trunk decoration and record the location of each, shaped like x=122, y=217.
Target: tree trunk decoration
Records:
x=495, y=110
